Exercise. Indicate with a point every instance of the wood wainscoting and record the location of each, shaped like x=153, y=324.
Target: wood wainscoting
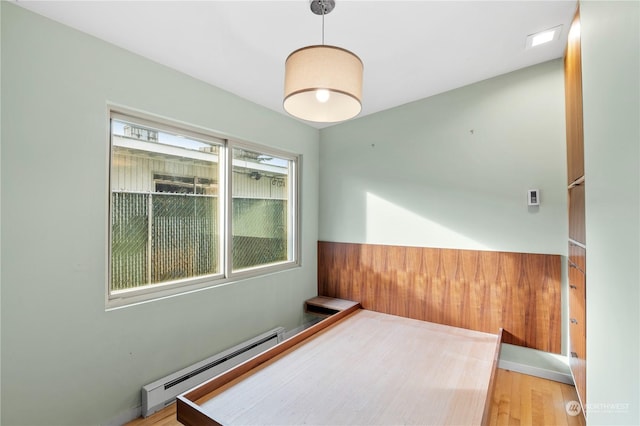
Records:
x=477, y=290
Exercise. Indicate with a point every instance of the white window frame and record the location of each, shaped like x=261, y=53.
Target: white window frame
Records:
x=123, y=298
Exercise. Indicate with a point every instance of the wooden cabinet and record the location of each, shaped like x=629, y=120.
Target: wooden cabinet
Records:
x=576, y=212
x=573, y=105
x=576, y=208
x=577, y=299
x=577, y=256
x=577, y=328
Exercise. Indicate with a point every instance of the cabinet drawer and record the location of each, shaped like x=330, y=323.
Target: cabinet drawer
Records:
x=576, y=214
x=577, y=341
x=577, y=299
x=579, y=370
x=577, y=328
x=577, y=321
x=577, y=256
x=577, y=281
x=577, y=315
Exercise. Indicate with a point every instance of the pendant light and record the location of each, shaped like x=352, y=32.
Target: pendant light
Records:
x=323, y=83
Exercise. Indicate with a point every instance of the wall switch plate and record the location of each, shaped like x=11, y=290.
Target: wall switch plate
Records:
x=533, y=197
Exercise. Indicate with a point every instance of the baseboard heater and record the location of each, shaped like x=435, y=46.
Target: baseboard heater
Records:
x=159, y=394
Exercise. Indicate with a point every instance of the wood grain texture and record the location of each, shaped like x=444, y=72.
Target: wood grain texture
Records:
x=330, y=303
x=164, y=417
x=573, y=107
x=505, y=406
x=486, y=415
x=188, y=412
x=477, y=290
x=577, y=256
x=578, y=330
x=519, y=399
x=577, y=228
x=576, y=196
x=369, y=369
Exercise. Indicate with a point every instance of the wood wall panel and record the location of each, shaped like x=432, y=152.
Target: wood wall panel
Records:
x=478, y=290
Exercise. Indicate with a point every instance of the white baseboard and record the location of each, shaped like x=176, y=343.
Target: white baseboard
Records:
x=543, y=373
x=136, y=412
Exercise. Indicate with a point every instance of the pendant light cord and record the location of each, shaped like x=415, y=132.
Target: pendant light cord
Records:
x=323, y=13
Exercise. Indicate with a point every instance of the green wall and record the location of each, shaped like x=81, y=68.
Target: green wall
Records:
x=412, y=175
x=610, y=39
x=453, y=170
x=65, y=360
x=0, y=225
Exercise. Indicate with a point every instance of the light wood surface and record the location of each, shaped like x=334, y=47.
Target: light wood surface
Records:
x=370, y=368
x=519, y=399
x=164, y=417
x=187, y=410
x=478, y=290
x=514, y=394
x=327, y=305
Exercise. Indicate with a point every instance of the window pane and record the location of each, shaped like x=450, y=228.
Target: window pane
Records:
x=164, y=206
x=184, y=237
x=129, y=236
x=261, y=223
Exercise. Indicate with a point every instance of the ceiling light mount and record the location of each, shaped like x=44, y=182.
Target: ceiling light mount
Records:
x=322, y=7
x=323, y=83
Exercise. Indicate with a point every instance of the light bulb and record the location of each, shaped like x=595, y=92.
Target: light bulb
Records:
x=322, y=95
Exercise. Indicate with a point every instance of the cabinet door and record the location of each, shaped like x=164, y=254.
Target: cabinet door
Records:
x=577, y=329
x=577, y=298
x=576, y=213
x=573, y=109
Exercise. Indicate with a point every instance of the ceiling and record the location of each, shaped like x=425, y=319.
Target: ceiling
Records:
x=410, y=49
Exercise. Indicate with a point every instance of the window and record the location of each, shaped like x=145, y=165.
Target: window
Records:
x=260, y=206
x=178, y=221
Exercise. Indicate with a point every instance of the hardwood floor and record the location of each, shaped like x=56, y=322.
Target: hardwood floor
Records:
x=166, y=417
x=518, y=399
